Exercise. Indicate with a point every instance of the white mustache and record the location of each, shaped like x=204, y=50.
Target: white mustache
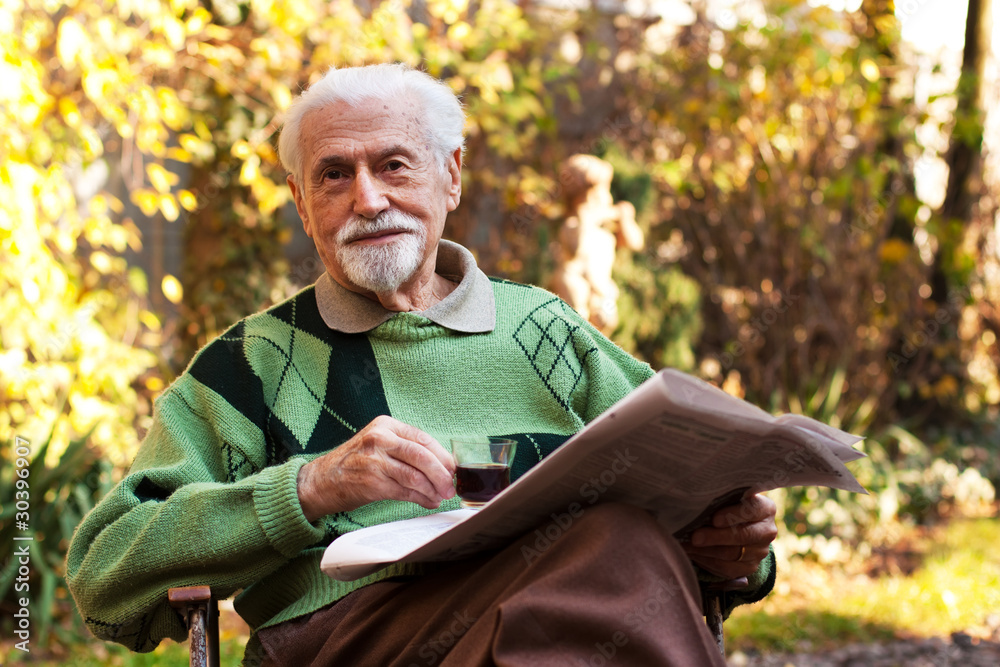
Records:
x=358, y=226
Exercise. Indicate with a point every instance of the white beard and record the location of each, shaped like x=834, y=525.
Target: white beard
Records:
x=381, y=268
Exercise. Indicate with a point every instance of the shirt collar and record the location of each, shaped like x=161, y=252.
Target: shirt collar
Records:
x=469, y=308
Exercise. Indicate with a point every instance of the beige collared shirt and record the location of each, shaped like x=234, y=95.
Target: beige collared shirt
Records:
x=469, y=308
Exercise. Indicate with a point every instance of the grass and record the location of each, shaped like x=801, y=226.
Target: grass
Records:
x=91, y=652
x=949, y=582
x=940, y=582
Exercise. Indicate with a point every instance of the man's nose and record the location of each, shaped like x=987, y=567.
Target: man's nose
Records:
x=369, y=195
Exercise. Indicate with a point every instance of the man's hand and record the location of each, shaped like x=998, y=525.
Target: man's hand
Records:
x=386, y=460
x=738, y=539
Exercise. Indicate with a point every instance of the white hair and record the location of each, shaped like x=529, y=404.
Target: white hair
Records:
x=354, y=85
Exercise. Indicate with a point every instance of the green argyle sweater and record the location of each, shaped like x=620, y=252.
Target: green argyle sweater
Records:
x=211, y=497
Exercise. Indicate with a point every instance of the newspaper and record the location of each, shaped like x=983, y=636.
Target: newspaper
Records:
x=676, y=446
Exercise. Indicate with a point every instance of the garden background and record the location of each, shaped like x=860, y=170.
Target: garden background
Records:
x=818, y=197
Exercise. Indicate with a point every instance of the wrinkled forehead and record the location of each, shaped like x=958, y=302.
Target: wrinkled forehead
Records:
x=369, y=124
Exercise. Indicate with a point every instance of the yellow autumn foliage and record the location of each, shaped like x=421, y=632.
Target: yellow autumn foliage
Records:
x=104, y=91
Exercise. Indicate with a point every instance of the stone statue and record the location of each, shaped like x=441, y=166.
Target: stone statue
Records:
x=594, y=227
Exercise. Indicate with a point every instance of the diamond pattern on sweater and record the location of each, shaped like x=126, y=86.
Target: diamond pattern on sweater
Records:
x=238, y=465
x=547, y=337
x=262, y=361
x=134, y=635
x=292, y=365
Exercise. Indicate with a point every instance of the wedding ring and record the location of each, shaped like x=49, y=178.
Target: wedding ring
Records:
x=743, y=550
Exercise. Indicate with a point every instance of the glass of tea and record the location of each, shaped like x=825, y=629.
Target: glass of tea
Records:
x=482, y=467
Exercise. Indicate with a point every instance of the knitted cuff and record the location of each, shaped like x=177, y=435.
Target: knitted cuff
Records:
x=759, y=584
x=276, y=500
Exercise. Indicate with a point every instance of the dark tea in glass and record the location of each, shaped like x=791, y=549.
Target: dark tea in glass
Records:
x=477, y=483
x=482, y=468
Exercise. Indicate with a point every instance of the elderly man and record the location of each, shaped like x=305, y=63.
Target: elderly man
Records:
x=326, y=412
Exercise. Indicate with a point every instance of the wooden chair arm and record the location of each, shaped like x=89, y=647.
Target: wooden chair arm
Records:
x=201, y=614
x=712, y=606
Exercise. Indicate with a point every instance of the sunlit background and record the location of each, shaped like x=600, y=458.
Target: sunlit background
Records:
x=816, y=183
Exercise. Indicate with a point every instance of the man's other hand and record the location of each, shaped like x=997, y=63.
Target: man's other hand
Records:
x=736, y=542
x=386, y=460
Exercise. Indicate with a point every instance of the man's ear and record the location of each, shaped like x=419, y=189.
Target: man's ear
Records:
x=455, y=172
x=300, y=204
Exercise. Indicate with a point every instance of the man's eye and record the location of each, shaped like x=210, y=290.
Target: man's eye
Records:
x=393, y=165
x=333, y=174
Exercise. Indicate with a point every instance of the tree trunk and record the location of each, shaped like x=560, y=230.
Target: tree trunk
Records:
x=964, y=157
